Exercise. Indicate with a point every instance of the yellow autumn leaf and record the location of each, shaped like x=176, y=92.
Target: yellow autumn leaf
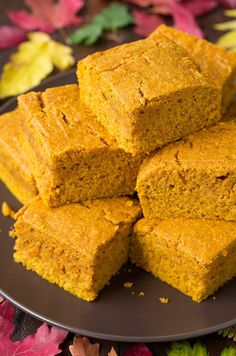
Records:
x=33, y=62
x=228, y=40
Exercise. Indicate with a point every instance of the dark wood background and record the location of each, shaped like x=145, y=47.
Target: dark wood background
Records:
x=25, y=324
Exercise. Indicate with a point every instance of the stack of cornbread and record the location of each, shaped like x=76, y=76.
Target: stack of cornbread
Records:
x=144, y=117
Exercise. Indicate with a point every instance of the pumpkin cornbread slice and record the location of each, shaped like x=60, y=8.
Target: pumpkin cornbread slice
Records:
x=192, y=178
x=14, y=168
x=213, y=60
x=72, y=157
x=77, y=246
x=148, y=93
x=195, y=256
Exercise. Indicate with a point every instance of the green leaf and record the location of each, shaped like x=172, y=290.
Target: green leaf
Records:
x=111, y=18
x=199, y=350
x=224, y=26
x=228, y=40
x=88, y=34
x=114, y=16
x=184, y=349
x=230, y=351
x=180, y=349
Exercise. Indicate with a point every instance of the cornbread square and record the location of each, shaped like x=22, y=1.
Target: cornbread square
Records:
x=72, y=157
x=195, y=256
x=148, y=93
x=77, y=246
x=192, y=178
x=213, y=60
x=14, y=168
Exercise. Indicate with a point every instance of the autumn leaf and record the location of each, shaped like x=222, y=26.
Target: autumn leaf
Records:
x=11, y=36
x=112, y=352
x=112, y=17
x=227, y=40
x=200, y=7
x=6, y=320
x=162, y=7
x=138, y=350
x=230, y=351
x=184, y=348
x=184, y=20
x=146, y=23
x=228, y=3
x=47, y=16
x=82, y=347
x=44, y=342
x=34, y=60
x=1, y=299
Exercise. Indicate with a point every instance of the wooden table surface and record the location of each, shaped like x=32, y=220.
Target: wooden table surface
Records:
x=215, y=343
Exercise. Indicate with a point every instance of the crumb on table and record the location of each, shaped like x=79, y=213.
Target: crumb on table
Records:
x=7, y=211
x=164, y=300
x=141, y=294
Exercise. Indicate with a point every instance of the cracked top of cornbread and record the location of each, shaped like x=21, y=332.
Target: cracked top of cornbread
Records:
x=140, y=72
x=202, y=240
x=61, y=124
x=213, y=59
x=212, y=148
x=82, y=227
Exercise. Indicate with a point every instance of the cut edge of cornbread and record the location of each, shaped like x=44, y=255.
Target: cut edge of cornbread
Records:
x=83, y=271
x=192, y=178
x=157, y=247
x=14, y=170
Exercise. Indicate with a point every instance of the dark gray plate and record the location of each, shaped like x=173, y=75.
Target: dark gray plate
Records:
x=117, y=314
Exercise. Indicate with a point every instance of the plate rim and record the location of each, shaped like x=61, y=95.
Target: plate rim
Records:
x=119, y=338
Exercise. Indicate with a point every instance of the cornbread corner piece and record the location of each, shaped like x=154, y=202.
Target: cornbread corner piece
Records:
x=148, y=93
x=213, y=60
x=195, y=256
x=192, y=178
x=72, y=157
x=77, y=246
x=14, y=168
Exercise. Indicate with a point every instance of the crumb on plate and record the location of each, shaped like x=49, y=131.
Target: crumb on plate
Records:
x=164, y=300
x=7, y=211
x=128, y=284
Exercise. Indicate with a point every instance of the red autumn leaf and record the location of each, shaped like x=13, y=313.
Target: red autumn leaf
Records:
x=11, y=36
x=228, y=3
x=184, y=20
x=47, y=16
x=200, y=7
x=146, y=23
x=159, y=6
x=82, y=347
x=138, y=350
x=6, y=320
x=44, y=342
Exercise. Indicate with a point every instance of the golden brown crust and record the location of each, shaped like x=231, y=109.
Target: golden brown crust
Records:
x=214, y=61
x=14, y=168
x=72, y=157
x=133, y=88
x=192, y=178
